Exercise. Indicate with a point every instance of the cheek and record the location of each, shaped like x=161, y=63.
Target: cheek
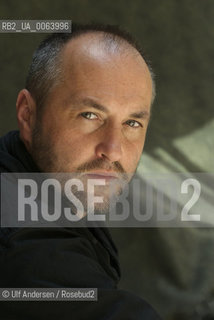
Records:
x=131, y=155
x=73, y=145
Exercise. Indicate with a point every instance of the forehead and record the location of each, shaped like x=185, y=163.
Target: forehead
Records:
x=109, y=70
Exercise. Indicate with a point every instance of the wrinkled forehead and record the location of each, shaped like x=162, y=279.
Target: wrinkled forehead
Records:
x=89, y=63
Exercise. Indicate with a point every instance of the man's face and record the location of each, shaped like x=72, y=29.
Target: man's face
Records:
x=95, y=121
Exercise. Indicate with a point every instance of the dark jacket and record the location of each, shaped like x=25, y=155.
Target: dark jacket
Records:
x=60, y=258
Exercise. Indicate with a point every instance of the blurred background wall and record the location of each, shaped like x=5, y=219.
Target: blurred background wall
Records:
x=172, y=269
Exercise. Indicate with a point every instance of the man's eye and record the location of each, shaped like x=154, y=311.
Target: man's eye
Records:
x=89, y=115
x=133, y=123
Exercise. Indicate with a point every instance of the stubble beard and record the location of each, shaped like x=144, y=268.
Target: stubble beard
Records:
x=48, y=162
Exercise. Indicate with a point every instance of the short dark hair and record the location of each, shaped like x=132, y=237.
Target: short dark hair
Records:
x=45, y=69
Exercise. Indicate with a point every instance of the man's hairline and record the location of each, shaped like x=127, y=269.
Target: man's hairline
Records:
x=123, y=42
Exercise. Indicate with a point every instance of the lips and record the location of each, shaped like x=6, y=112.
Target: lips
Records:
x=102, y=175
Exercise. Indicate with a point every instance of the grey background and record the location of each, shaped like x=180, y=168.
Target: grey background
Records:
x=172, y=269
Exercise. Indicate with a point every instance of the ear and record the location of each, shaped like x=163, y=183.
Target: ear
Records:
x=26, y=116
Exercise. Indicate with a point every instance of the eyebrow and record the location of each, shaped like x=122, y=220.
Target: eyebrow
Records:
x=94, y=104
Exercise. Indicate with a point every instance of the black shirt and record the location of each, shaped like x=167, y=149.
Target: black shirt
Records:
x=60, y=258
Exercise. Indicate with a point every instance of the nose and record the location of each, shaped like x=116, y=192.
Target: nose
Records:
x=109, y=145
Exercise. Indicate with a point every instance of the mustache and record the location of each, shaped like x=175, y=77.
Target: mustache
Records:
x=102, y=164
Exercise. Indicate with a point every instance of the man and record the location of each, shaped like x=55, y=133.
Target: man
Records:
x=85, y=110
